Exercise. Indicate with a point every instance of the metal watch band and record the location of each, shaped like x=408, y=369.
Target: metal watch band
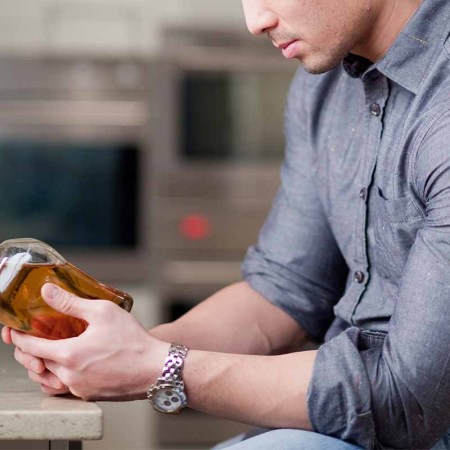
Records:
x=173, y=365
x=167, y=394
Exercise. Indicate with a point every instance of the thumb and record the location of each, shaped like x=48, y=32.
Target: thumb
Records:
x=6, y=335
x=65, y=302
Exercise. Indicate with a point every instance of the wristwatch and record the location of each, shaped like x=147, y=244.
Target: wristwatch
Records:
x=167, y=394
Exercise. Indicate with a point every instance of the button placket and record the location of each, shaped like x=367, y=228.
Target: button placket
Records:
x=363, y=194
x=359, y=277
x=376, y=96
x=375, y=109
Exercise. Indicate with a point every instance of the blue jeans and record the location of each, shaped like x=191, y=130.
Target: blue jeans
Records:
x=286, y=439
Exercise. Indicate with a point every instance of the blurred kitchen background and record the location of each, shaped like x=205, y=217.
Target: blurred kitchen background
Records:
x=142, y=140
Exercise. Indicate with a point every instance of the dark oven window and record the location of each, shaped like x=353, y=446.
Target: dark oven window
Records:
x=233, y=115
x=69, y=194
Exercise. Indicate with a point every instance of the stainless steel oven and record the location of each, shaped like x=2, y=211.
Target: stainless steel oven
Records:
x=75, y=160
x=219, y=140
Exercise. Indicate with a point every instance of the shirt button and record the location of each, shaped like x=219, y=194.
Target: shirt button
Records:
x=359, y=277
x=375, y=109
x=363, y=194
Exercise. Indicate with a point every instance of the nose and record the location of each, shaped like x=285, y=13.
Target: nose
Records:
x=259, y=19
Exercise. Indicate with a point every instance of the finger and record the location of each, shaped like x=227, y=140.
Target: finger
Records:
x=48, y=379
x=6, y=335
x=56, y=369
x=61, y=373
x=40, y=347
x=51, y=391
x=67, y=303
x=28, y=361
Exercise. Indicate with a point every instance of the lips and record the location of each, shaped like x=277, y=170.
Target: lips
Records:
x=284, y=45
x=289, y=48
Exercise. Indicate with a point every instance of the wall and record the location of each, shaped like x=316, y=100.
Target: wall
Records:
x=104, y=27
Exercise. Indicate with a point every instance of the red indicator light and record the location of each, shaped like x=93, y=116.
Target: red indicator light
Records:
x=195, y=227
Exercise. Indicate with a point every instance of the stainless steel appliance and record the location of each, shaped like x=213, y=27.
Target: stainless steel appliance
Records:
x=75, y=160
x=219, y=140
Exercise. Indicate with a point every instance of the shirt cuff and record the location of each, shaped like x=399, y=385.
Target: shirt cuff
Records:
x=339, y=394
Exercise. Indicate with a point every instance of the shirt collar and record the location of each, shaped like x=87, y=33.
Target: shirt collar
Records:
x=410, y=56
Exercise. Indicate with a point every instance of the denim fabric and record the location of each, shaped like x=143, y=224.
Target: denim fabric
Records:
x=357, y=245
x=289, y=439
x=284, y=440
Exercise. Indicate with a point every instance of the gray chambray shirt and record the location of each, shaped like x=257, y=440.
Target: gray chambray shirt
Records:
x=357, y=245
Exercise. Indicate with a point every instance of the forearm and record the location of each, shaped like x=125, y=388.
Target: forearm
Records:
x=229, y=380
x=237, y=319
x=267, y=391
x=261, y=390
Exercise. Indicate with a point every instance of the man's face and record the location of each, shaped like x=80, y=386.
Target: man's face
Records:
x=319, y=33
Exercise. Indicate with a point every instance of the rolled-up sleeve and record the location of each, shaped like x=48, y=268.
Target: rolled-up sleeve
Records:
x=297, y=264
x=396, y=394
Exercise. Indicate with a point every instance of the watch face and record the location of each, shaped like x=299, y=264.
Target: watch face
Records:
x=168, y=400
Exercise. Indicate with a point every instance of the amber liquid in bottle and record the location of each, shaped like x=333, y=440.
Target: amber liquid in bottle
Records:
x=23, y=308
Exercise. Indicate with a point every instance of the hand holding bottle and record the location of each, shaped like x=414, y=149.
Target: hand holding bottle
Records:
x=113, y=359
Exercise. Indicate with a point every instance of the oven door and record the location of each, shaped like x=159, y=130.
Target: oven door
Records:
x=72, y=175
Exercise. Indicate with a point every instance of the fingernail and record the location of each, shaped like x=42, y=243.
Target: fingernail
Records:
x=35, y=366
x=51, y=291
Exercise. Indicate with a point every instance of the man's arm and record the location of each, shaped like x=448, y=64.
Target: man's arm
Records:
x=266, y=391
x=393, y=393
x=237, y=319
x=258, y=390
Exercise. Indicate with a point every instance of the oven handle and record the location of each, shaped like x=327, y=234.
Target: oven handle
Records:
x=73, y=113
x=202, y=272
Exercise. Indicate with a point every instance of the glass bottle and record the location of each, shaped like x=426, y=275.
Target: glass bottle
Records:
x=25, y=266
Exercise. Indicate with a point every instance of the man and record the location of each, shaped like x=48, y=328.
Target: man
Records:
x=355, y=252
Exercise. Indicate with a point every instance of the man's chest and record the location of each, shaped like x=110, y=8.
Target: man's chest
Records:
x=365, y=181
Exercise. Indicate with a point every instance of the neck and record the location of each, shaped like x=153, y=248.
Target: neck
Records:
x=390, y=19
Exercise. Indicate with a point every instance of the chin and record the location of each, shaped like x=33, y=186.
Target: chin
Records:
x=318, y=67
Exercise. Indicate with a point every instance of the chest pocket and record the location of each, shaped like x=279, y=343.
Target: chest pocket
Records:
x=396, y=222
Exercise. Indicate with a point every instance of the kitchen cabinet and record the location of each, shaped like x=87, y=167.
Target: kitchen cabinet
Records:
x=105, y=27
x=196, y=12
